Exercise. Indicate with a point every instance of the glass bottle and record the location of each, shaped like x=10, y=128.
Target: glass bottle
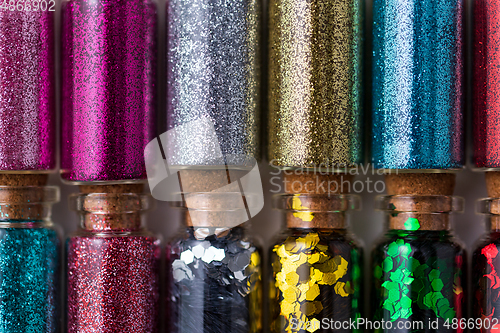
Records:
x=109, y=63
x=485, y=279
x=29, y=260
x=112, y=265
x=419, y=269
x=213, y=280
x=316, y=265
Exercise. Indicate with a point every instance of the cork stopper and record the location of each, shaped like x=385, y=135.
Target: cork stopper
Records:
x=419, y=212
x=324, y=187
x=116, y=207
x=318, y=211
x=493, y=184
x=491, y=208
x=420, y=183
x=317, y=183
x=23, y=179
x=217, y=180
x=27, y=203
x=217, y=209
x=118, y=188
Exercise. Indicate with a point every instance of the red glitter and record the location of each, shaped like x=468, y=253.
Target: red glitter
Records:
x=113, y=284
x=487, y=83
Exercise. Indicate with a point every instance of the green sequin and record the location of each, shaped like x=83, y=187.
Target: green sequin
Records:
x=412, y=224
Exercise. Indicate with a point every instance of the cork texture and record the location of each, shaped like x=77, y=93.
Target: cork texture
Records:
x=320, y=215
x=317, y=183
x=493, y=184
x=420, y=183
x=112, y=213
x=12, y=179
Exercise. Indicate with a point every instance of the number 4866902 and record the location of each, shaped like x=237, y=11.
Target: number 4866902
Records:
x=28, y=5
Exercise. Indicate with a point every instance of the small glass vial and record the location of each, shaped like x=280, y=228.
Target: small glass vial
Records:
x=316, y=265
x=112, y=265
x=108, y=89
x=419, y=269
x=485, y=278
x=213, y=280
x=29, y=260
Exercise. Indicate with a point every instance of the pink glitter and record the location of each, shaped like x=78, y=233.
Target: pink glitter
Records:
x=113, y=284
x=27, y=113
x=109, y=88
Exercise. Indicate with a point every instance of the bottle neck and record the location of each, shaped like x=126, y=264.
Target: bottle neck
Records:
x=316, y=220
x=104, y=222
x=494, y=223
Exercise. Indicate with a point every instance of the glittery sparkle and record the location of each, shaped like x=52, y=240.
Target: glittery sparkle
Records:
x=109, y=88
x=417, y=120
x=486, y=279
x=29, y=280
x=486, y=83
x=316, y=274
x=113, y=284
x=213, y=70
x=27, y=82
x=315, y=83
x=418, y=276
x=213, y=284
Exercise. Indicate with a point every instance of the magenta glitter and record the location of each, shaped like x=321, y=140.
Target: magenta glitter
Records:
x=108, y=88
x=113, y=284
x=27, y=81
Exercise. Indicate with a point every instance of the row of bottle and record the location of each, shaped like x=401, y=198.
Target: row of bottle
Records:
x=213, y=69
x=213, y=280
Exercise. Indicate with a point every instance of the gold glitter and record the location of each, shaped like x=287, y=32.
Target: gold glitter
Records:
x=314, y=325
x=297, y=204
x=301, y=270
x=315, y=83
x=312, y=293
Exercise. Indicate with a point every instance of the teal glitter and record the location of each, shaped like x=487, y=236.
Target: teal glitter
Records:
x=418, y=84
x=29, y=279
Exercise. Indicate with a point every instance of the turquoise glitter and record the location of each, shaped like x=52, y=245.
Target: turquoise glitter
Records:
x=418, y=89
x=29, y=278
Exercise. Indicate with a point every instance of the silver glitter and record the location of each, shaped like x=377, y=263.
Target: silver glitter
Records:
x=181, y=271
x=213, y=71
x=187, y=257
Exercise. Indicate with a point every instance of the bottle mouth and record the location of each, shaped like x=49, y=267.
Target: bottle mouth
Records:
x=426, y=204
x=488, y=206
x=29, y=195
x=105, y=203
x=317, y=203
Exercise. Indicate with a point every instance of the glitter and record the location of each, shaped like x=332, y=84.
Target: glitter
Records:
x=486, y=83
x=108, y=88
x=416, y=272
x=113, y=284
x=418, y=84
x=222, y=286
x=213, y=70
x=310, y=281
x=412, y=224
x=187, y=256
x=29, y=276
x=315, y=98
x=27, y=85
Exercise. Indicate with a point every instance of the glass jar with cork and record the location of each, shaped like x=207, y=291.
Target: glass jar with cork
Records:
x=316, y=265
x=29, y=260
x=419, y=268
x=213, y=280
x=113, y=265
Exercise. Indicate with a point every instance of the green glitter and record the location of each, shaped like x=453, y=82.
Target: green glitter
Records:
x=412, y=224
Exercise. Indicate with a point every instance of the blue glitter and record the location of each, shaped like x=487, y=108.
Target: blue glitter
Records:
x=29, y=279
x=418, y=84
